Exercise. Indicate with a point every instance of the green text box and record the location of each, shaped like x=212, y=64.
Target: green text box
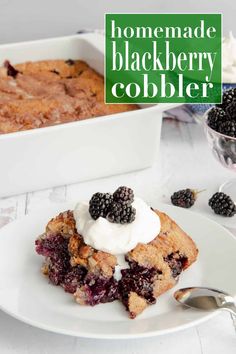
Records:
x=153, y=58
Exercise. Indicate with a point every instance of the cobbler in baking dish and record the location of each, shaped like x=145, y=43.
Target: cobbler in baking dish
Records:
x=43, y=93
x=115, y=247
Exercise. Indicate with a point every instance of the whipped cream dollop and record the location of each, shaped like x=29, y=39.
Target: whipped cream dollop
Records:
x=229, y=59
x=115, y=238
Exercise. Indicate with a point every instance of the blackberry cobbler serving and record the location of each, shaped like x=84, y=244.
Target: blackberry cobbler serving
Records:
x=115, y=247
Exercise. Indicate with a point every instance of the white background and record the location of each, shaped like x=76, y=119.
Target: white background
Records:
x=30, y=19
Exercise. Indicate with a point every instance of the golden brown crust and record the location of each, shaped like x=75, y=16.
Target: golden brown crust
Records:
x=97, y=262
x=81, y=295
x=52, y=92
x=18, y=115
x=102, y=262
x=63, y=68
x=172, y=239
x=136, y=304
x=44, y=269
x=64, y=224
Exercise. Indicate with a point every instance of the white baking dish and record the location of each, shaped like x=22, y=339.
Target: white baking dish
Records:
x=77, y=151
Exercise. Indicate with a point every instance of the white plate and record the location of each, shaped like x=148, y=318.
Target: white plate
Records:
x=26, y=295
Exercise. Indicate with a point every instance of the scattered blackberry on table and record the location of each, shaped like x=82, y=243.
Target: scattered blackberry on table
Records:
x=184, y=198
x=99, y=205
x=231, y=110
x=222, y=204
x=121, y=213
x=215, y=116
x=228, y=97
x=124, y=195
x=228, y=128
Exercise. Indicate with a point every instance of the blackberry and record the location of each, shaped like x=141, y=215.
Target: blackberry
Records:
x=124, y=195
x=215, y=116
x=55, y=72
x=228, y=128
x=11, y=71
x=176, y=263
x=184, y=198
x=121, y=213
x=70, y=62
x=99, y=205
x=231, y=110
x=228, y=97
x=222, y=204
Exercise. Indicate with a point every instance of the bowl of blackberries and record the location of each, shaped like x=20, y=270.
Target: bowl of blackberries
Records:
x=220, y=129
x=198, y=110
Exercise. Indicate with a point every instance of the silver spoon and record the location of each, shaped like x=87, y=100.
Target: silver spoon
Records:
x=207, y=299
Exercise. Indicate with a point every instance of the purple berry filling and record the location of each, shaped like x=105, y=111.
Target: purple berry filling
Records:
x=73, y=279
x=100, y=290
x=57, y=269
x=138, y=279
x=55, y=249
x=60, y=272
x=176, y=263
x=52, y=245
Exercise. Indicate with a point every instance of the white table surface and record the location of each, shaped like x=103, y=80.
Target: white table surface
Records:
x=185, y=161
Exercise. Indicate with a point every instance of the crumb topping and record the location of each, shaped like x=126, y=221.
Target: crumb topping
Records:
x=43, y=93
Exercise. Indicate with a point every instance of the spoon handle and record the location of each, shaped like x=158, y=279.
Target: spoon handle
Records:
x=231, y=308
x=233, y=318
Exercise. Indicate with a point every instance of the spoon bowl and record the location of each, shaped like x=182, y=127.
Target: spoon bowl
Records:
x=205, y=299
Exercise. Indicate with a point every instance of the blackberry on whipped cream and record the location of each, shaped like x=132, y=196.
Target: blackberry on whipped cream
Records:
x=115, y=207
x=117, y=238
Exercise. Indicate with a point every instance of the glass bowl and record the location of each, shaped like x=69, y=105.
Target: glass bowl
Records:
x=223, y=148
